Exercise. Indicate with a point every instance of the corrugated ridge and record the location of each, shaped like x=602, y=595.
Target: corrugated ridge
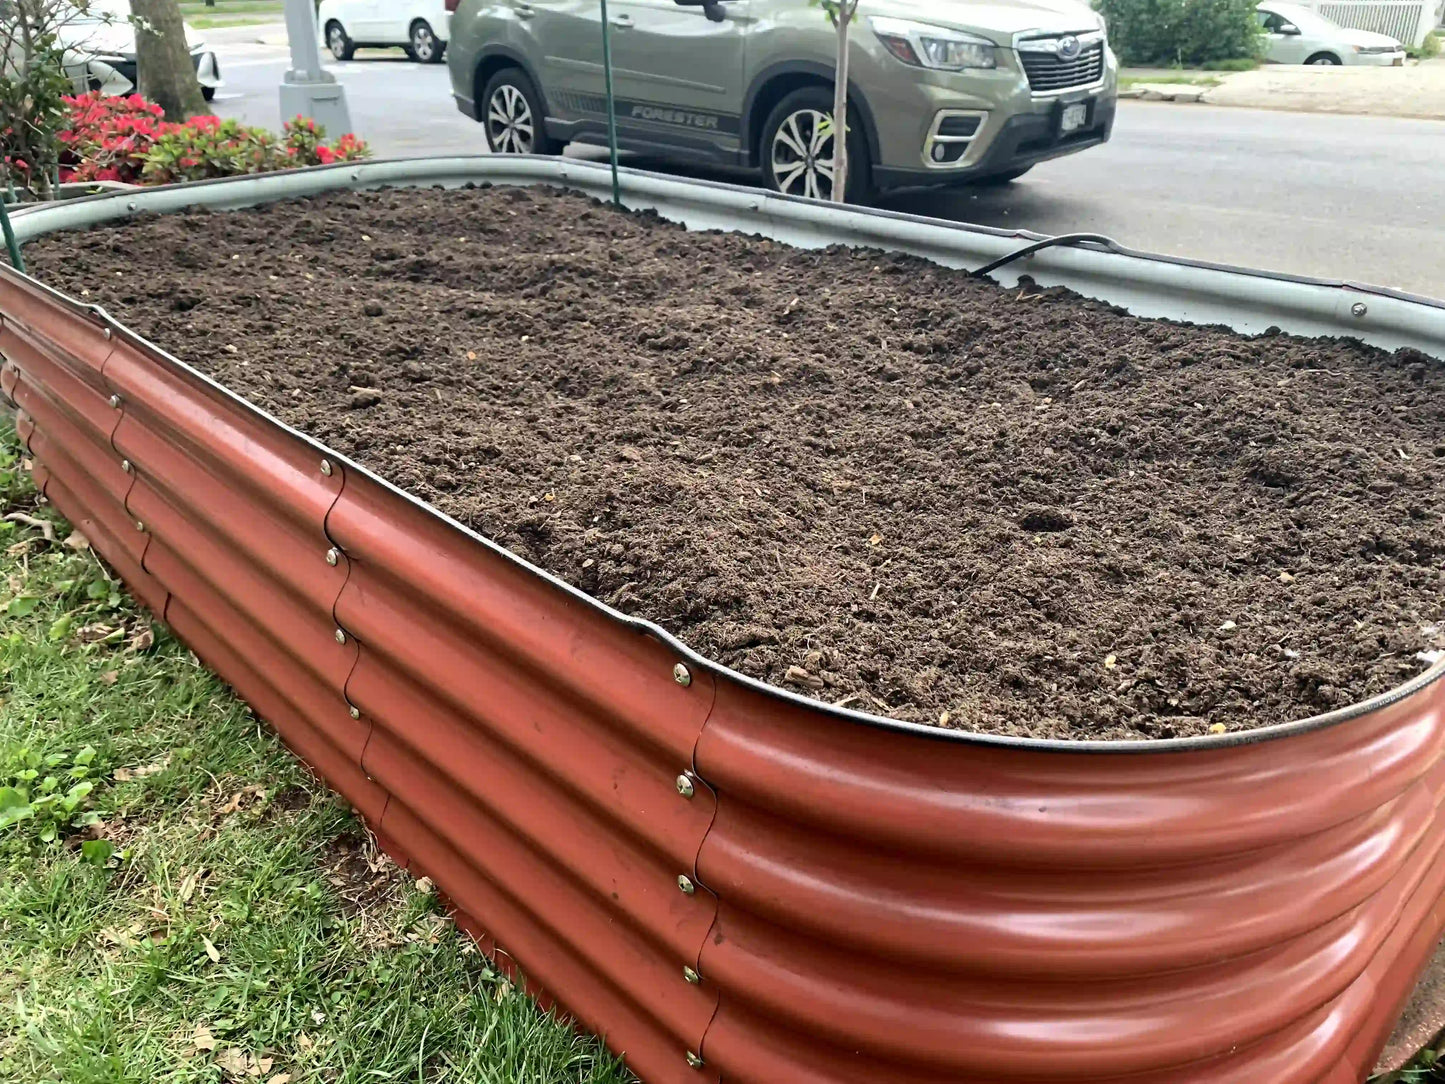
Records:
x=1209, y=908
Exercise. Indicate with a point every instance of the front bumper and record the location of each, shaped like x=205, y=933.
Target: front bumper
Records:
x=1395, y=59
x=114, y=76
x=1021, y=141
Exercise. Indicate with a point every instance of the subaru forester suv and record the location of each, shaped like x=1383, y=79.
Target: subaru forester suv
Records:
x=939, y=91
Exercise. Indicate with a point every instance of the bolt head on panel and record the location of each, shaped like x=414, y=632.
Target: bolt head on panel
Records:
x=139, y=526
x=691, y=976
x=340, y=636
x=1359, y=308
x=115, y=402
x=105, y=333
x=684, y=883
x=326, y=467
x=693, y=1060
x=332, y=557
x=682, y=675
x=355, y=712
x=125, y=466
x=684, y=785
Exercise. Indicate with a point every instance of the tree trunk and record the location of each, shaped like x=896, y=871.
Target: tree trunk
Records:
x=167, y=76
x=840, y=104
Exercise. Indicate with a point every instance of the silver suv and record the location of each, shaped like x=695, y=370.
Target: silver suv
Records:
x=940, y=91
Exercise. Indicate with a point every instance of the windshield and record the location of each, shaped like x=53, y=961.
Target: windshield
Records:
x=1308, y=21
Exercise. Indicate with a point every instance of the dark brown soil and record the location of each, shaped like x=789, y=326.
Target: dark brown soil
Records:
x=870, y=479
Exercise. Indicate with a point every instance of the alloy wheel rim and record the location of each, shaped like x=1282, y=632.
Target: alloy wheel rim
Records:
x=336, y=39
x=510, y=128
x=801, y=156
x=422, y=43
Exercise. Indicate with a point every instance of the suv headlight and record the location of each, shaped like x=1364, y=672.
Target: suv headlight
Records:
x=926, y=46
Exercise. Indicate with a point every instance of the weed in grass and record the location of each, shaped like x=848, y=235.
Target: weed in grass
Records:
x=240, y=923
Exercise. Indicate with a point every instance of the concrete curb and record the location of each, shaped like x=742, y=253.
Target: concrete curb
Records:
x=1164, y=92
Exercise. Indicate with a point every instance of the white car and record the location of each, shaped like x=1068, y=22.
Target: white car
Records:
x=98, y=49
x=418, y=26
x=1297, y=35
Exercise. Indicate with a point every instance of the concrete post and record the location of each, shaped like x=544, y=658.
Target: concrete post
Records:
x=308, y=88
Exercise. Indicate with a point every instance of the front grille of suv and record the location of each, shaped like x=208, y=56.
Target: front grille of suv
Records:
x=1049, y=72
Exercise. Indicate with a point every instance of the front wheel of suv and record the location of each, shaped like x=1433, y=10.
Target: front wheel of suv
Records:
x=797, y=148
x=512, y=116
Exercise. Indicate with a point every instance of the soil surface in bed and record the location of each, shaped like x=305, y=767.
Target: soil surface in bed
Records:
x=863, y=477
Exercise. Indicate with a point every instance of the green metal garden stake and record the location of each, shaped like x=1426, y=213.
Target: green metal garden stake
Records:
x=611, y=109
x=10, y=243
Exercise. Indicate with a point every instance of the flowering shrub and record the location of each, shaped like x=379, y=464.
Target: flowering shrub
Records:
x=32, y=93
x=126, y=139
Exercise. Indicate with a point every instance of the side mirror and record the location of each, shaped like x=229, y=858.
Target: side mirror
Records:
x=713, y=9
x=1289, y=28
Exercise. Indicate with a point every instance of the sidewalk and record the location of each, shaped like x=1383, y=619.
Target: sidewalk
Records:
x=255, y=34
x=1416, y=90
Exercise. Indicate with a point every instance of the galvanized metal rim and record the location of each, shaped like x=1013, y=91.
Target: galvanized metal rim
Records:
x=97, y=315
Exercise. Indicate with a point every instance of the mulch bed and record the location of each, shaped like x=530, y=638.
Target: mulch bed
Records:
x=872, y=480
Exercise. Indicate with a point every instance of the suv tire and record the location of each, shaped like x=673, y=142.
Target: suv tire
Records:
x=790, y=148
x=512, y=116
x=341, y=46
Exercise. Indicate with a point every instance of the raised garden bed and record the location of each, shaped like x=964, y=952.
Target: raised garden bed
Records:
x=729, y=881
x=864, y=477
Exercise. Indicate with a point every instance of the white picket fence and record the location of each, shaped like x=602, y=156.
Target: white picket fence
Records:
x=1408, y=20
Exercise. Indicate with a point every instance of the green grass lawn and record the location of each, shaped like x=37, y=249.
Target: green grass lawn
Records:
x=180, y=899
x=231, y=13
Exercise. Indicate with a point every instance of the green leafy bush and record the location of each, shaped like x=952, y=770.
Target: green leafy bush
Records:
x=50, y=790
x=1186, y=33
x=1428, y=49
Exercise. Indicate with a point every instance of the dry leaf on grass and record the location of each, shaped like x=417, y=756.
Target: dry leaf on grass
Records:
x=76, y=541
x=125, y=775
x=143, y=640
x=233, y=1061
x=280, y=1078
x=211, y=950
x=203, y=1039
x=109, y=677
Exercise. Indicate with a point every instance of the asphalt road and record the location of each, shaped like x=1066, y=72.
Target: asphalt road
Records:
x=1357, y=198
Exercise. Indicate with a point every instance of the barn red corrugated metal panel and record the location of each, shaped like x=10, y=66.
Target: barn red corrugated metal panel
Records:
x=868, y=903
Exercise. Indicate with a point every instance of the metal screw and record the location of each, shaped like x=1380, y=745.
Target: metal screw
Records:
x=340, y=636
x=125, y=465
x=1359, y=308
x=115, y=402
x=130, y=206
x=691, y=976
x=684, y=786
x=139, y=526
x=326, y=467
x=355, y=712
x=681, y=675
x=693, y=1060
x=332, y=557
x=106, y=333
x=684, y=882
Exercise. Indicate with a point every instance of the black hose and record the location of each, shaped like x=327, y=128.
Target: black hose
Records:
x=1047, y=242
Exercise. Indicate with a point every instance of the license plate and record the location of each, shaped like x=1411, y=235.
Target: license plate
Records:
x=1074, y=117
